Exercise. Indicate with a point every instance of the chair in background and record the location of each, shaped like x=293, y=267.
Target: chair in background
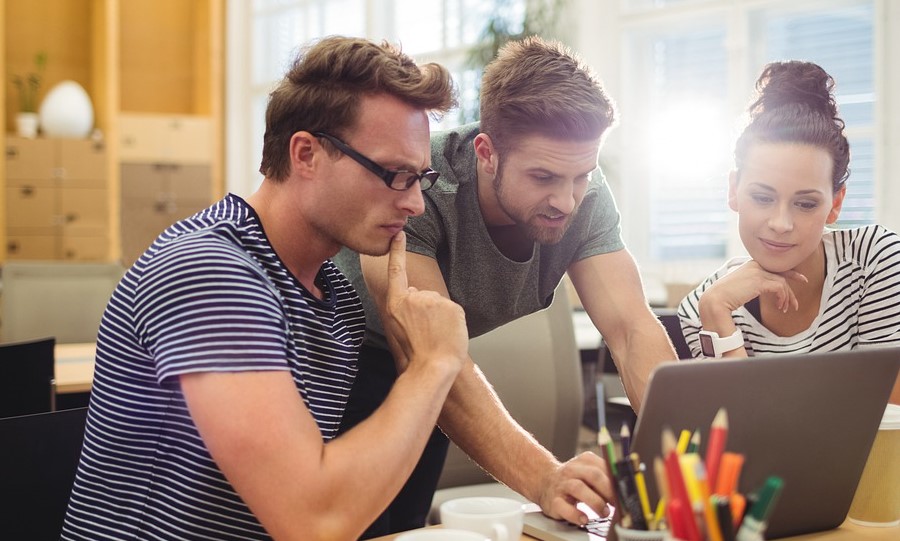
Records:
x=38, y=460
x=55, y=298
x=617, y=406
x=534, y=366
x=27, y=378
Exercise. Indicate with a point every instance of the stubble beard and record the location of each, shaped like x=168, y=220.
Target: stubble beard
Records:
x=533, y=231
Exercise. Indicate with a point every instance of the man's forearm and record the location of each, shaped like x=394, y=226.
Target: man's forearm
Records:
x=475, y=419
x=635, y=362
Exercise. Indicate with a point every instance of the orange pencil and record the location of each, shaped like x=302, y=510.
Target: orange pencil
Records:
x=729, y=473
x=718, y=434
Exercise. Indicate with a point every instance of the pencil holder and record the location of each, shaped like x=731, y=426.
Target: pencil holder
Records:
x=626, y=534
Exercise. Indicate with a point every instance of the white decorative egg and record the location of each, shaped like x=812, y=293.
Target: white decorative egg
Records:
x=67, y=111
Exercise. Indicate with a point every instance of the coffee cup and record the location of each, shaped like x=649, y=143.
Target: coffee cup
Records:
x=877, y=498
x=500, y=519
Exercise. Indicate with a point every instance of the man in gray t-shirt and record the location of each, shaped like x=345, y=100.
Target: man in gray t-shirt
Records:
x=519, y=203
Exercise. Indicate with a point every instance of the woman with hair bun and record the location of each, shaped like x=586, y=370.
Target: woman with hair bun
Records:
x=804, y=286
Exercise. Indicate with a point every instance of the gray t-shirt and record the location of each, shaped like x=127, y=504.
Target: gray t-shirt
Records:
x=492, y=288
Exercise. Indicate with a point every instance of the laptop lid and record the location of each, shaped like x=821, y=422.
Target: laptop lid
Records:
x=809, y=418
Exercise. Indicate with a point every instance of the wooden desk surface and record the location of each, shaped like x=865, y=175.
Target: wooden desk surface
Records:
x=74, y=367
x=846, y=532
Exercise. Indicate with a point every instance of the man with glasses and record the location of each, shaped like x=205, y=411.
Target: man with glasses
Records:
x=226, y=354
x=520, y=202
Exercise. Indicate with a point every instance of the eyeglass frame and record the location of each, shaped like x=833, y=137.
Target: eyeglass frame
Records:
x=386, y=175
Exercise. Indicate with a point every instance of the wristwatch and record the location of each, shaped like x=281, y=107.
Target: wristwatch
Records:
x=713, y=345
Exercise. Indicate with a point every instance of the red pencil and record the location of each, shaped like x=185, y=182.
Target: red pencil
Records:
x=718, y=434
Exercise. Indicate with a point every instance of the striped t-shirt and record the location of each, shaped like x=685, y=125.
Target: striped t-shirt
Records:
x=210, y=295
x=860, y=304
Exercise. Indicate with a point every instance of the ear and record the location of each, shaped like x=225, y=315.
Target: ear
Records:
x=303, y=147
x=836, y=205
x=732, y=190
x=485, y=154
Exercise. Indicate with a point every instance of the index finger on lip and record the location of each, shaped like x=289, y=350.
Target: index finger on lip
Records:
x=397, y=281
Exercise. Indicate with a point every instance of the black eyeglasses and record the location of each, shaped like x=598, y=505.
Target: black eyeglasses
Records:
x=399, y=179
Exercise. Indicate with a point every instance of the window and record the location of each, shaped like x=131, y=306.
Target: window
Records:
x=690, y=69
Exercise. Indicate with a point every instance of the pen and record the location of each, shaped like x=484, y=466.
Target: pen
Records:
x=625, y=439
x=718, y=434
x=723, y=514
x=754, y=523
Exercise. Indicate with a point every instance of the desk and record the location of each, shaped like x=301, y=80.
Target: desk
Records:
x=74, y=367
x=846, y=532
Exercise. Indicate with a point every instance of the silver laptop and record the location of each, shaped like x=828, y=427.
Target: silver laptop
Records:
x=809, y=418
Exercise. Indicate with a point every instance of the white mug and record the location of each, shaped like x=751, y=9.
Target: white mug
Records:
x=442, y=534
x=498, y=518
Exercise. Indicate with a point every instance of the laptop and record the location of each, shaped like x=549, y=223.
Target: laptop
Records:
x=809, y=418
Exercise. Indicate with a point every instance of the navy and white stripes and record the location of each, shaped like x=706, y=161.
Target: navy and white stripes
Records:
x=860, y=299
x=209, y=295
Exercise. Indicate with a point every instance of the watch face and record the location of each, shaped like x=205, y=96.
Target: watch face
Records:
x=706, y=345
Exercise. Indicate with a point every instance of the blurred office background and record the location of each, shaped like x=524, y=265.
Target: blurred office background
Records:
x=179, y=89
x=681, y=72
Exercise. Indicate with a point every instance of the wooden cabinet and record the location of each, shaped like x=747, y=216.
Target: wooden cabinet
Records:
x=155, y=63
x=154, y=196
x=56, y=199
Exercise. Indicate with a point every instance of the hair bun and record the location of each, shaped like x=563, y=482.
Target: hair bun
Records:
x=794, y=82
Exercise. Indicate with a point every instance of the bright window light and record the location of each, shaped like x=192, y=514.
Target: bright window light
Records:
x=689, y=143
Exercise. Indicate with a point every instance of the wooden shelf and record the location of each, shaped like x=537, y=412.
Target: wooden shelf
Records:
x=153, y=58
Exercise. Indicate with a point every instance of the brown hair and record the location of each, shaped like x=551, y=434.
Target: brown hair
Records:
x=795, y=104
x=322, y=89
x=540, y=87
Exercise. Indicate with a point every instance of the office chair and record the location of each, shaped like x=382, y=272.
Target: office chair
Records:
x=38, y=460
x=618, y=409
x=27, y=382
x=534, y=366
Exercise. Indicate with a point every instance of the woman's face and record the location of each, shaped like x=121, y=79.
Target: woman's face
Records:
x=784, y=198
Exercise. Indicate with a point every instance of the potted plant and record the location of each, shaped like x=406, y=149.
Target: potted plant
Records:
x=28, y=86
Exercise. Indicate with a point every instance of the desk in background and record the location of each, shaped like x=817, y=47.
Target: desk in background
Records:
x=74, y=367
x=75, y=362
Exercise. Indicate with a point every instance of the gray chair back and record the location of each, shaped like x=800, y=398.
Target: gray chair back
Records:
x=55, y=298
x=535, y=368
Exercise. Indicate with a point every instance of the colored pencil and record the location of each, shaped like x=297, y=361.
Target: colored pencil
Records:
x=718, y=434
